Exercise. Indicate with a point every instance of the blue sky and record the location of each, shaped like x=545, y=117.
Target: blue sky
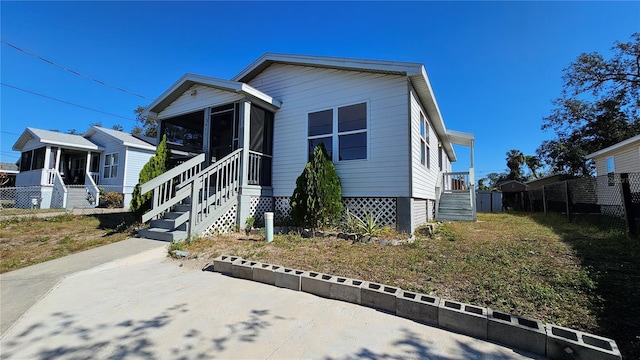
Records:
x=494, y=66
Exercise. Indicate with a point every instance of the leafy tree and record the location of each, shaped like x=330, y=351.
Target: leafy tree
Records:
x=481, y=184
x=157, y=165
x=317, y=198
x=599, y=106
x=515, y=160
x=495, y=178
x=148, y=125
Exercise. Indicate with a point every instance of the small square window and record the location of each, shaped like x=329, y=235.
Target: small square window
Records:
x=321, y=123
x=353, y=117
x=353, y=146
x=327, y=145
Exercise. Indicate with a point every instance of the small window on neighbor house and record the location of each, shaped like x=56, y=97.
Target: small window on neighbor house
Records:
x=25, y=160
x=110, y=166
x=611, y=171
x=38, y=158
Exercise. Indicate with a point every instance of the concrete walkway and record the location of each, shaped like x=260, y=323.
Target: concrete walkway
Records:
x=146, y=306
x=22, y=288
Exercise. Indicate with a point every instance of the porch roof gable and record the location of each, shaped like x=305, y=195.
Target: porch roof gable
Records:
x=47, y=137
x=188, y=80
x=414, y=71
x=122, y=138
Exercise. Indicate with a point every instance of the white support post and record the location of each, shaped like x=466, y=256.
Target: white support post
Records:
x=244, y=200
x=47, y=157
x=58, y=155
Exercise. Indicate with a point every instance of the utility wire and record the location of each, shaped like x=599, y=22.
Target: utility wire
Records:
x=73, y=71
x=66, y=102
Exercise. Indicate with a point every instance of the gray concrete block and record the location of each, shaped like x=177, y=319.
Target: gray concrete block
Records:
x=379, y=296
x=345, y=289
x=265, y=273
x=288, y=278
x=463, y=318
x=417, y=307
x=517, y=332
x=316, y=283
x=223, y=263
x=243, y=269
x=564, y=343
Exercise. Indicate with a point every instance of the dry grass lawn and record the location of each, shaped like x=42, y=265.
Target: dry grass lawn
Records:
x=572, y=274
x=26, y=241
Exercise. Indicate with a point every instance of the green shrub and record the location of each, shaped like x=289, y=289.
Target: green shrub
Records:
x=156, y=166
x=317, y=198
x=369, y=225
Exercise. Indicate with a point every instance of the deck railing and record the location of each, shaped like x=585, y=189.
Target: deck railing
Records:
x=259, y=169
x=92, y=188
x=456, y=181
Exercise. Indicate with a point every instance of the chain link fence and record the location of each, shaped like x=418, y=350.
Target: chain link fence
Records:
x=33, y=199
x=612, y=200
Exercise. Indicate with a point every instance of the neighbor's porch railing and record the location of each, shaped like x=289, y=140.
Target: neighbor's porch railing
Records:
x=92, y=188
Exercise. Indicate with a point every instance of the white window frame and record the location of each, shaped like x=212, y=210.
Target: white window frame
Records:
x=335, y=134
x=425, y=147
x=110, y=165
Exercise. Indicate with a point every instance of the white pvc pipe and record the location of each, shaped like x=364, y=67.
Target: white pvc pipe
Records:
x=268, y=226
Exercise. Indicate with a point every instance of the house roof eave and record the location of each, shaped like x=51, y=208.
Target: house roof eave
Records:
x=614, y=147
x=188, y=80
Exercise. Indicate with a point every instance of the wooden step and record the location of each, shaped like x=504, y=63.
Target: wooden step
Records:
x=163, y=234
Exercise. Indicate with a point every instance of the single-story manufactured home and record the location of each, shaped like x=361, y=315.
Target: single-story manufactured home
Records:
x=613, y=163
x=244, y=142
x=71, y=169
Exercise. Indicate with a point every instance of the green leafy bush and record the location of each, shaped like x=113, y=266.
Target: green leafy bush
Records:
x=156, y=166
x=317, y=198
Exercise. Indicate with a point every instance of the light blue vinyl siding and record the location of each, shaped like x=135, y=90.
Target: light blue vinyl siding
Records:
x=307, y=89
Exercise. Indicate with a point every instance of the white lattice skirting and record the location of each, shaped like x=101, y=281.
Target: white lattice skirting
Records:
x=260, y=205
x=224, y=224
x=386, y=207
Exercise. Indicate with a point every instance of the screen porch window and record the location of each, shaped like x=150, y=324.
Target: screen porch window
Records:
x=341, y=128
x=110, y=166
x=425, y=158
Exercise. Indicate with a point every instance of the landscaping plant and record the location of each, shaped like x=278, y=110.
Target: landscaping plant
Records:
x=317, y=198
x=157, y=165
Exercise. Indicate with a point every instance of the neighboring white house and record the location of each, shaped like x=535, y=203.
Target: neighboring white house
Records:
x=379, y=121
x=620, y=158
x=69, y=169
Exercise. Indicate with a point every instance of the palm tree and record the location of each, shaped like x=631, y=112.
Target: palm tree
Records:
x=515, y=160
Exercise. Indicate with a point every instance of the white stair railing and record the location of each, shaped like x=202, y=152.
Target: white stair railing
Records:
x=165, y=187
x=214, y=188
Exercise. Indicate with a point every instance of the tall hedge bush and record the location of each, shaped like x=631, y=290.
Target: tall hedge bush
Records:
x=157, y=165
x=317, y=198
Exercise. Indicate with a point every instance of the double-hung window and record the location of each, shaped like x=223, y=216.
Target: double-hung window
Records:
x=425, y=159
x=110, y=166
x=342, y=130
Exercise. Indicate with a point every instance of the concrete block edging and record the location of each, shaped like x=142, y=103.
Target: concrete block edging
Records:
x=552, y=341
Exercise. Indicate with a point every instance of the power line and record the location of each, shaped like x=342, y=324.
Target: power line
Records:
x=74, y=72
x=7, y=132
x=66, y=102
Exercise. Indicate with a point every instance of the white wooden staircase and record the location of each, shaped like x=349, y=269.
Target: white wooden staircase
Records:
x=188, y=199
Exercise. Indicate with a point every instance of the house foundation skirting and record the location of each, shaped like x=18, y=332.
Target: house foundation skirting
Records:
x=401, y=213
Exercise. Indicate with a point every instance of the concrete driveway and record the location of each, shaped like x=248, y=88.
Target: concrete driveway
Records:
x=147, y=307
